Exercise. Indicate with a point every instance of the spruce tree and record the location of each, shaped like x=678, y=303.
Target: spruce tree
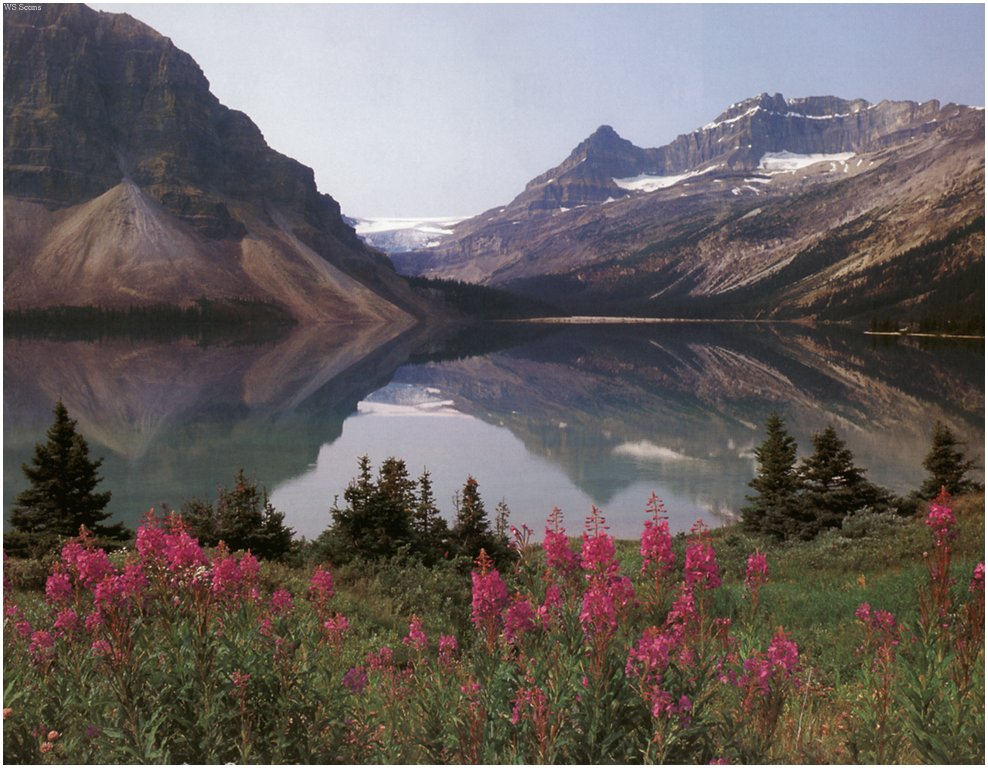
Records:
x=62, y=495
x=472, y=531
x=768, y=511
x=832, y=487
x=243, y=518
x=429, y=530
x=946, y=465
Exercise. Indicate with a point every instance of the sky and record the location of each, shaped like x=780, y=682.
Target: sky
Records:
x=449, y=110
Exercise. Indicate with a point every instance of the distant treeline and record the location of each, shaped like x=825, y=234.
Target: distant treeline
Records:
x=481, y=302
x=205, y=320
x=974, y=326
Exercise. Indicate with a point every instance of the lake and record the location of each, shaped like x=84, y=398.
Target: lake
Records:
x=570, y=416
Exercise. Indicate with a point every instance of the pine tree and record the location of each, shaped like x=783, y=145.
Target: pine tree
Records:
x=832, y=487
x=243, y=518
x=946, y=465
x=62, y=495
x=472, y=531
x=429, y=530
x=775, y=484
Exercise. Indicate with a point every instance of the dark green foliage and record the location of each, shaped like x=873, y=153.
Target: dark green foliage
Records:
x=831, y=488
x=242, y=518
x=479, y=301
x=205, y=320
x=394, y=516
x=946, y=465
x=428, y=525
x=472, y=530
x=62, y=495
x=775, y=484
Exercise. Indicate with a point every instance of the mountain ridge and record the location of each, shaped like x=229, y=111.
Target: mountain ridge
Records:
x=820, y=190
x=121, y=168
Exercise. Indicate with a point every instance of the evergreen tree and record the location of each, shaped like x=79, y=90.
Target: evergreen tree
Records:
x=62, y=495
x=472, y=531
x=832, y=487
x=776, y=484
x=429, y=529
x=946, y=465
x=377, y=518
x=243, y=518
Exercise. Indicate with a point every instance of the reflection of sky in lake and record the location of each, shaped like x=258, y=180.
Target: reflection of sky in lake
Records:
x=420, y=426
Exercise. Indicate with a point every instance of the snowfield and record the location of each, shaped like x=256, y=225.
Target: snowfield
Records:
x=780, y=162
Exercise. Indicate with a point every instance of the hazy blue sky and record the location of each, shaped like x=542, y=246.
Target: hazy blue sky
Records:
x=429, y=110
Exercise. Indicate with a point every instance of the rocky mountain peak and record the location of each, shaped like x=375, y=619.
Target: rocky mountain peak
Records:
x=127, y=182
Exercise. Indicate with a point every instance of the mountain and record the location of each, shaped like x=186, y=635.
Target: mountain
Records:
x=803, y=208
x=127, y=183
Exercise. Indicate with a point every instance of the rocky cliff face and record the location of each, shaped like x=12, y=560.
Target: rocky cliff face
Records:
x=817, y=207
x=126, y=182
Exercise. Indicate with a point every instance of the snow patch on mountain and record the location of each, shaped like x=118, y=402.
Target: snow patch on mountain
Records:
x=780, y=162
x=648, y=183
x=394, y=235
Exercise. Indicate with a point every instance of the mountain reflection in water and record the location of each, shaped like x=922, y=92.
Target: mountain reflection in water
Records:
x=565, y=416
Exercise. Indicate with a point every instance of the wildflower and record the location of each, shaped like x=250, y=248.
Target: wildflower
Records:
x=53, y=735
x=58, y=588
x=381, y=660
x=656, y=547
x=41, y=647
x=336, y=627
x=90, y=565
x=940, y=521
x=490, y=596
x=560, y=560
x=977, y=579
x=603, y=601
x=448, y=648
x=67, y=623
x=416, y=637
x=321, y=587
x=701, y=566
x=239, y=679
x=355, y=679
x=7, y=712
x=281, y=601
x=756, y=571
x=518, y=619
x=47, y=747
x=532, y=700
x=551, y=605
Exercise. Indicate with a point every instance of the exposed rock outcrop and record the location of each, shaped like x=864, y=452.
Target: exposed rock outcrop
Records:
x=817, y=207
x=126, y=182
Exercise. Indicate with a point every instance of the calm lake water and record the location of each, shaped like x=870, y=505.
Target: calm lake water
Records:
x=567, y=416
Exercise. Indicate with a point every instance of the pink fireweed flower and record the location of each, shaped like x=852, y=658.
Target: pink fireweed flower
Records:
x=941, y=523
x=552, y=605
x=881, y=629
x=560, y=560
x=225, y=576
x=518, y=619
x=336, y=628
x=448, y=648
x=597, y=555
x=530, y=701
x=90, y=566
x=656, y=547
x=382, y=660
x=416, y=637
x=239, y=679
x=701, y=566
x=756, y=571
x=783, y=654
x=977, y=579
x=121, y=590
x=603, y=603
x=281, y=602
x=67, y=623
x=490, y=597
x=24, y=629
x=42, y=647
x=58, y=588
x=321, y=587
